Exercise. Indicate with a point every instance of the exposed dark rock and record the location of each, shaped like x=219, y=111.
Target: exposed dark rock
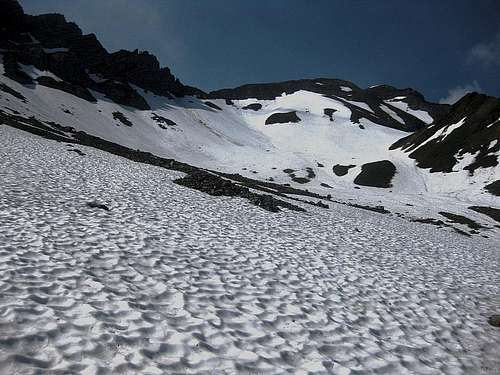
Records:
x=283, y=190
x=342, y=170
x=122, y=118
x=8, y=90
x=143, y=70
x=429, y=221
x=269, y=91
x=122, y=93
x=414, y=99
x=61, y=48
x=481, y=127
x=75, y=90
x=162, y=121
x=310, y=173
x=326, y=185
x=379, y=209
x=11, y=16
x=319, y=165
x=300, y=180
x=79, y=152
x=322, y=205
x=253, y=106
x=13, y=71
x=13, y=111
x=494, y=213
x=329, y=112
x=377, y=174
x=229, y=102
x=494, y=321
x=101, y=206
x=332, y=88
x=283, y=118
x=217, y=186
x=459, y=219
x=213, y=106
x=493, y=188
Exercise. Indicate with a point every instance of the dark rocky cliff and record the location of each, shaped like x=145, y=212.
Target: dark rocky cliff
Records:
x=440, y=147
x=51, y=43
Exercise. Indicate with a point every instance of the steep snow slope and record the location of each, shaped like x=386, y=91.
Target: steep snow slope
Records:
x=173, y=281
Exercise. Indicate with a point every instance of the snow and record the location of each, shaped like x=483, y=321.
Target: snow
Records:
x=34, y=73
x=175, y=281
x=443, y=132
x=399, y=103
x=450, y=129
x=238, y=141
x=391, y=113
x=345, y=88
x=361, y=105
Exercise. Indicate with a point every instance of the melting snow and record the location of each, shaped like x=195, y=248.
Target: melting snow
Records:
x=174, y=281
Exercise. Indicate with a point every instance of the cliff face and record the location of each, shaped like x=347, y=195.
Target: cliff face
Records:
x=51, y=43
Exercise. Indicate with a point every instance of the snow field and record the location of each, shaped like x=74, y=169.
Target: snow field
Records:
x=174, y=281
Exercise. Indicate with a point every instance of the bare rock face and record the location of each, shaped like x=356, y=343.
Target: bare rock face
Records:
x=53, y=31
x=141, y=69
x=283, y=118
x=494, y=320
x=377, y=174
x=122, y=93
x=11, y=15
x=50, y=42
x=472, y=126
x=413, y=98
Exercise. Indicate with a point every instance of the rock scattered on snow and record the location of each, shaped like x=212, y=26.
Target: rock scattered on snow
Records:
x=95, y=204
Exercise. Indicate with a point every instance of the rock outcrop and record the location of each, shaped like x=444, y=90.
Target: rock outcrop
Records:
x=51, y=43
x=472, y=126
x=377, y=98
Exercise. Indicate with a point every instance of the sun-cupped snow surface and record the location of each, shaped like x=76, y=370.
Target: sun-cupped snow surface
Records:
x=173, y=281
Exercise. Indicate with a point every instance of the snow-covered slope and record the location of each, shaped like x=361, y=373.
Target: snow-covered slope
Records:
x=232, y=137
x=112, y=262
x=327, y=136
x=464, y=145
x=172, y=281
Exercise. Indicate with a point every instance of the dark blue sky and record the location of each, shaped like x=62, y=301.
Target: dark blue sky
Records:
x=439, y=47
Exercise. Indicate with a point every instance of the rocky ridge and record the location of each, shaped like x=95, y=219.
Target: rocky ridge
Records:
x=50, y=43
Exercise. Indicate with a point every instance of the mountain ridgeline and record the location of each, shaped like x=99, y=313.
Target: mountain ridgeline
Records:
x=50, y=43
